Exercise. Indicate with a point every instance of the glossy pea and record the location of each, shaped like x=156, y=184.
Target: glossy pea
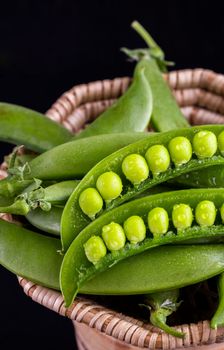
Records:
x=158, y=221
x=109, y=185
x=113, y=236
x=23, y=126
x=158, y=159
x=180, y=150
x=75, y=257
x=95, y=249
x=135, y=229
x=121, y=116
x=73, y=219
x=205, y=213
x=135, y=168
x=182, y=216
x=205, y=144
x=90, y=202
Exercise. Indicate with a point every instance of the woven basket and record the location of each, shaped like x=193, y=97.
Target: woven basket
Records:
x=200, y=95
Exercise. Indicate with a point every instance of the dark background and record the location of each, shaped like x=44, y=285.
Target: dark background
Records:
x=46, y=47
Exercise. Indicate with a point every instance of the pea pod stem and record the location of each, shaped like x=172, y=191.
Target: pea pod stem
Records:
x=218, y=318
x=162, y=305
x=35, y=196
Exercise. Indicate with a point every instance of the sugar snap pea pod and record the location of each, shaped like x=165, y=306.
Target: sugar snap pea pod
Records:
x=29, y=254
x=86, y=257
x=75, y=216
x=68, y=161
x=218, y=318
x=159, y=269
x=166, y=115
x=162, y=305
x=47, y=221
x=19, y=125
x=131, y=112
x=59, y=193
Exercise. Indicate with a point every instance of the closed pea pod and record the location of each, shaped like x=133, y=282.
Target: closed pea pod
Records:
x=23, y=126
x=70, y=272
x=121, y=116
x=74, y=219
x=71, y=160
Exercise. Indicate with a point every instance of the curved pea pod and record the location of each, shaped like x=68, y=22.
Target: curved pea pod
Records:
x=160, y=269
x=19, y=125
x=77, y=268
x=131, y=112
x=30, y=255
x=74, y=219
x=47, y=221
x=166, y=115
x=68, y=161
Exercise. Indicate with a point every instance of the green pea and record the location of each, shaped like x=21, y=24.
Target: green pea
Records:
x=205, y=213
x=180, y=150
x=90, y=202
x=221, y=142
x=135, y=229
x=109, y=185
x=158, y=159
x=113, y=236
x=222, y=212
x=135, y=168
x=95, y=249
x=158, y=221
x=204, y=144
x=182, y=216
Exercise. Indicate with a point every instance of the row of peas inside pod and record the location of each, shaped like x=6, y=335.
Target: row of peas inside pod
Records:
x=114, y=236
x=158, y=159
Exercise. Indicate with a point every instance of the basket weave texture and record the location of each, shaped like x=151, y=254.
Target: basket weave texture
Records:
x=200, y=94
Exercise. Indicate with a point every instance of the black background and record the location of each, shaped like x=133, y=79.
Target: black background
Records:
x=46, y=47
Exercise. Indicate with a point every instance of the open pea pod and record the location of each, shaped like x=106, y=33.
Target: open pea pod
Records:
x=140, y=225
x=159, y=269
x=137, y=167
x=23, y=126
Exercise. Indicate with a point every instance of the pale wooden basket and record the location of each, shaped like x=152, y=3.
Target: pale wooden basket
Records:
x=200, y=94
